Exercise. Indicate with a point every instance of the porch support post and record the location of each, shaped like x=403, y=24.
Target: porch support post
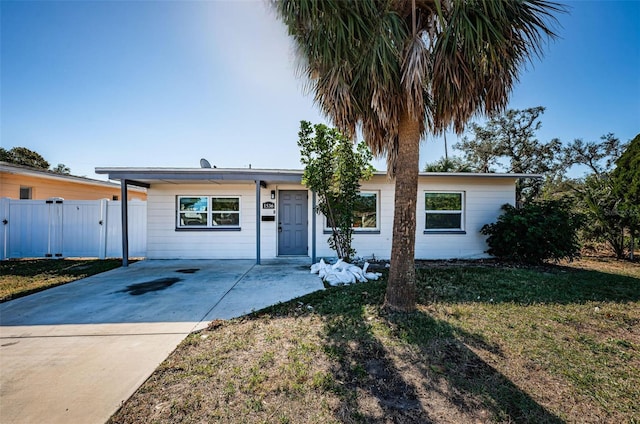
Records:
x=313, y=227
x=258, y=182
x=125, y=222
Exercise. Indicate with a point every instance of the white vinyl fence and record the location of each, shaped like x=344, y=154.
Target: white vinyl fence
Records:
x=70, y=228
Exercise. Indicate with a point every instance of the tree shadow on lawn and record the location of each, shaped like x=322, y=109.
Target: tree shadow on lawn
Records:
x=414, y=368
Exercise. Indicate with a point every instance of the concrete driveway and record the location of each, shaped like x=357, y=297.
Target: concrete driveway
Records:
x=74, y=353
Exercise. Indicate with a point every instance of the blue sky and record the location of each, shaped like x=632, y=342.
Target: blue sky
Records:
x=164, y=83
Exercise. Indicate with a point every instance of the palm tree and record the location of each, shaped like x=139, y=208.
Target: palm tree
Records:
x=398, y=70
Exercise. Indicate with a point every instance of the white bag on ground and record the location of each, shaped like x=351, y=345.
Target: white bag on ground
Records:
x=343, y=273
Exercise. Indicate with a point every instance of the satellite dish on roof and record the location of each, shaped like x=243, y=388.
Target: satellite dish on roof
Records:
x=204, y=163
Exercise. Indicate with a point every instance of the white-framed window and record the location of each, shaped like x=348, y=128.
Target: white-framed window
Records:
x=225, y=211
x=366, y=212
x=215, y=212
x=444, y=211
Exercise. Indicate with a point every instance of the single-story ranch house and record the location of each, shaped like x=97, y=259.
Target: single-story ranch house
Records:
x=216, y=213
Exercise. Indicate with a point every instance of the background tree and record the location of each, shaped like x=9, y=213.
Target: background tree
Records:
x=560, y=186
x=5, y=156
x=61, y=168
x=481, y=152
x=399, y=70
x=508, y=141
x=23, y=156
x=626, y=186
x=448, y=164
x=333, y=169
x=598, y=157
x=595, y=194
x=626, y=175
x=601, y=207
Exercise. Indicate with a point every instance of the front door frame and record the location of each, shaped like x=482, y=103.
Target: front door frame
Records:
x=303, y=250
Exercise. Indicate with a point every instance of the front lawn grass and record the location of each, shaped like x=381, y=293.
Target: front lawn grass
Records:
x=486, y=344
x=22, y=277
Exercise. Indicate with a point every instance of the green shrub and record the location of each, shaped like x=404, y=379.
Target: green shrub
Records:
x=536, y=232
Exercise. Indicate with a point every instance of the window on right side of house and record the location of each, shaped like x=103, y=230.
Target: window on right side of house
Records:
x=365, y=211
x=444, y=211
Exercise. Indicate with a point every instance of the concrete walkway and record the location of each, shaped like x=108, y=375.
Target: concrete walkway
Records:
x=74, y=353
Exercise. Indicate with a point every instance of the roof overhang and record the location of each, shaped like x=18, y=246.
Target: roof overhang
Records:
x=478, y=175
x=148, y=176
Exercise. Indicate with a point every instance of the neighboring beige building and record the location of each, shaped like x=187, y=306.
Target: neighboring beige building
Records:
x=21, y=182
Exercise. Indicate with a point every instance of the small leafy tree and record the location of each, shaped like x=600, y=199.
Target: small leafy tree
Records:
x=536, y=232
x=333, y=170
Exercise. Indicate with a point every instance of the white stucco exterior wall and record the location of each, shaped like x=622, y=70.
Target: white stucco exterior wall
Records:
x=483, y=198
x=164, y=242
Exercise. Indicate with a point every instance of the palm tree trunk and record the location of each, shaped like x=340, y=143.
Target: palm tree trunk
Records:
x=400, y=294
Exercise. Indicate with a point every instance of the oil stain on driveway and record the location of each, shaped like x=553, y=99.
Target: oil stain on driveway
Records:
x=73, y=353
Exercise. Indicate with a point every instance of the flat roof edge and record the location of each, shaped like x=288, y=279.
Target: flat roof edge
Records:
x=200, y=174
x=239, y=174
x=479, y=174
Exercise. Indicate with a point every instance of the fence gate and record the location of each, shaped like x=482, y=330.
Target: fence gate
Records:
x=27, y=228
x=58, y=228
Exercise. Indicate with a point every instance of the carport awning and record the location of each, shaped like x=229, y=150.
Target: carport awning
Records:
x=213, y=175
x=145, y=177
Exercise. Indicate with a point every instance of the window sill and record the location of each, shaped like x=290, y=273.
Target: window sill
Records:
x=209, y=229
x=444, y=232
x=355, y=232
